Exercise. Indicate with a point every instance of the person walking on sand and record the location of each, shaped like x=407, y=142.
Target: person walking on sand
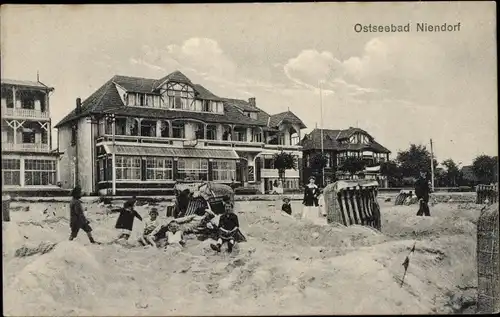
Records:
x=310, y=210
x=422, y=191
x=77, y=217
x=125, y=221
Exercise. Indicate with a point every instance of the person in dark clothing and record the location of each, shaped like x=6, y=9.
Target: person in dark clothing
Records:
x=77, y=217
x=125, y=221
x=286, y=207
x=182, y=203
x=228, y=227
x=422, y=191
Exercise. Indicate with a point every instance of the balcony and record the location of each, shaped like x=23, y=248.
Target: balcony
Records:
x=273, y=173
x=243, y=145
x=141, y=139
x=24, y=113
x=26, y=147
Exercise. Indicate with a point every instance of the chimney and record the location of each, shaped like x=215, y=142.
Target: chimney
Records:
x=78, y=105
x=251, y=101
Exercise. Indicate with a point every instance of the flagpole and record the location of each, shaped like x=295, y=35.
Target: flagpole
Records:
x=321, y=117
x=432, y=168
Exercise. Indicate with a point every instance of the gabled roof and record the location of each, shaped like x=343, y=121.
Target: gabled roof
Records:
x=135, y=84
x=349, y=132
x=203, y=93
x=25, y=83
x=176, y=76
x=330, y=141
x=287, y=116
x=242, y=105
x=103, y=99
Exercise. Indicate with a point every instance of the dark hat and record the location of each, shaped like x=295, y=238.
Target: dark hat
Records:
x=129, y=203
x=311, y=177
x=226, y=198
x=153, y=211
x=286, y=199
x=77, y=191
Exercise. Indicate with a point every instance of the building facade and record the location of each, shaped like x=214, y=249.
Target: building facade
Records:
x=143, y=135
x=28, y=162
x=338, y=145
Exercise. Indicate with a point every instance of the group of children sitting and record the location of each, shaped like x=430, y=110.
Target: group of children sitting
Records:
x=171, y=232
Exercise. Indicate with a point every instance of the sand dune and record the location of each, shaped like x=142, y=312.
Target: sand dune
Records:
x=285, y=267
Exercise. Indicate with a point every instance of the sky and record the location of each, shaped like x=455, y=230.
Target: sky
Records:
x=402, y=88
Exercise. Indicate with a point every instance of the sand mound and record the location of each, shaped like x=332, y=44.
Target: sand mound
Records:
x=286, y=266
x=41, y=248
x=54, y=279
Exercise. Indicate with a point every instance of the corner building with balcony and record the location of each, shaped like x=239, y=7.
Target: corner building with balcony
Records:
x=28, y=162
x=141, y=136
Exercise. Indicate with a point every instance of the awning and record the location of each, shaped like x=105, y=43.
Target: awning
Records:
x=373, y=169
x=137, y=150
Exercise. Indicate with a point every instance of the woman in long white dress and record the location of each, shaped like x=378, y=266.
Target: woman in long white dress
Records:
x=310, y=210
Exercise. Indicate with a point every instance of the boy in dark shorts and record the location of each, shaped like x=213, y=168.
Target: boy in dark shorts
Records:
x=77, y=217
x=125, y=221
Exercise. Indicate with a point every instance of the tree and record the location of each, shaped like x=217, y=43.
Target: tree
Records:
x=486, y=168
x=417, y=158
x=392, y=171
x=284, y=161
x=452, y=173
x=318, y=161
x=352, y=164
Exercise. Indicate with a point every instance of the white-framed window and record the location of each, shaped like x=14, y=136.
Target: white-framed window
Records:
x=178, y=129
x=102, y=169
x=281, y=139
x=257, y=136
x=128, y=168
x=224, y=170
x=198, y=105
x=39, y=172
x=11, y=172
x=131, y=99
x=192, y=169
x=159, y=168
x=211, y=132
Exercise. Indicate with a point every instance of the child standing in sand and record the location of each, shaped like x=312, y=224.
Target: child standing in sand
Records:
x=77, y=217
x=125, y=221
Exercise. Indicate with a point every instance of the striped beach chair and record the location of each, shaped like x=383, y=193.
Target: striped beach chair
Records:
x=353, y=202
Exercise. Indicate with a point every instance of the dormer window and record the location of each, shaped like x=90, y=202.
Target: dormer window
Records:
x=252, y=115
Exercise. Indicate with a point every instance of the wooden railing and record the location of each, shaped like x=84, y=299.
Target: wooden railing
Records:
x=273, y=173
x=24, y=113
x=206, y=142
x=26, y=147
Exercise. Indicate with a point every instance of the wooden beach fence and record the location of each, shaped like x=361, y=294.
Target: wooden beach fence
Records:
x=351, y=202
x=5, y=208
x=488, y=261
x=487, y=194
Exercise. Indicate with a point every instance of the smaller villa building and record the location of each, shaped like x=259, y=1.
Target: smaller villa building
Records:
x=339, y=145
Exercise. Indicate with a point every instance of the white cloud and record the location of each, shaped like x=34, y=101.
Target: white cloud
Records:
x=397, y=66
